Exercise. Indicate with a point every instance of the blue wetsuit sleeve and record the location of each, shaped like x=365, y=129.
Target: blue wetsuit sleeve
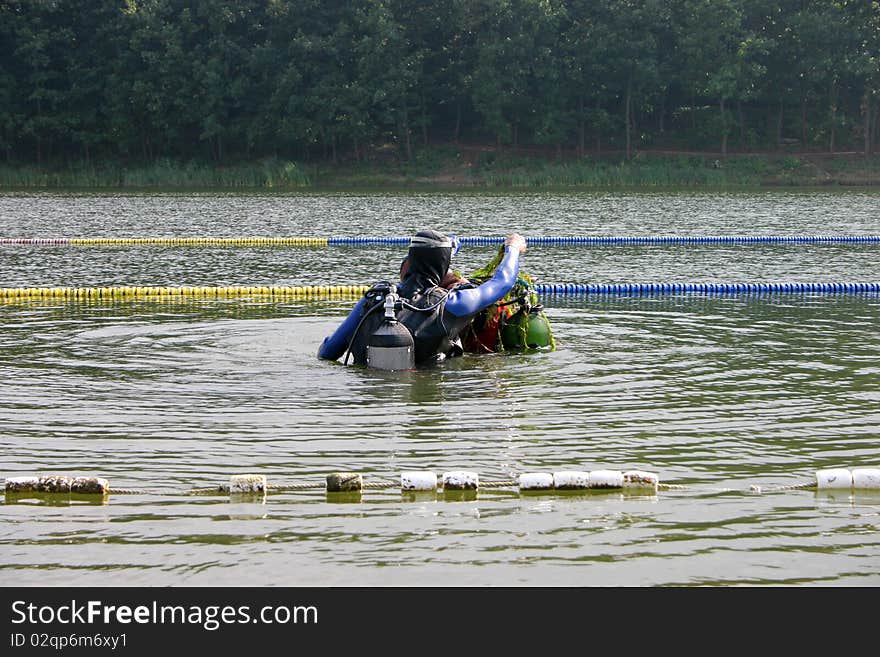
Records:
x=473, y=300
x=335, y=345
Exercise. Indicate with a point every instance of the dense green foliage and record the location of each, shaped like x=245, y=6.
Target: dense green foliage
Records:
x=226, y=81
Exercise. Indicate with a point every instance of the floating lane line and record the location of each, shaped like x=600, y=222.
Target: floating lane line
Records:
x=170, y=241
x=159, y=293
x=319, y=292
x=591, y=240
x=640, y=482
x=661, y=289
x=586, y=240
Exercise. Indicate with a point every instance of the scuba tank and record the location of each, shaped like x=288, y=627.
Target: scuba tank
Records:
x=405, y=335
x=391, y=345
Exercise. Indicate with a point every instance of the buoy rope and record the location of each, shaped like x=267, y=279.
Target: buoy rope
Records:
x=126, y=293
x=139, y=491
x=249, y=486
x=346, y=292
x=168, y=241
x=223, y=489
x=586, y=240
x=598, y=240
x=504, y=483
x=662, y=486
x=807, y=485
x=653, y=289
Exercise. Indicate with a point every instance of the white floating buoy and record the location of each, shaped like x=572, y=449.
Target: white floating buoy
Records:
x=606, y=479
x=461, y=480
x=571, y=480
x=536, y=481
x=834, y=478
x=418, y=480
x=640, y=479
x=863, y=478
x=247, y=483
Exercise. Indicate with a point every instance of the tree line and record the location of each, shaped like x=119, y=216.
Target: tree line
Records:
x=238, y=80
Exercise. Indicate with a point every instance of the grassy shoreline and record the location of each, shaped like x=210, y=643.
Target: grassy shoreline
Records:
x=469, y=168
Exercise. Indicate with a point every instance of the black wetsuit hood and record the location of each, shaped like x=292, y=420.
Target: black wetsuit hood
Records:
x=429, y=257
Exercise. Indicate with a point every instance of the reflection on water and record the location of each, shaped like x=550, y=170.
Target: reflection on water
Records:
x=714, y=393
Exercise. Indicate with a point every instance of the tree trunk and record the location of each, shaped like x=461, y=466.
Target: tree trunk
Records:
x=406, y=136
x=723, y=128
x=832, y=96
x=803, y=121
x=582, y=128
x=457, y=133
x=742, y=124
x=39, y=135
x=662, y=122
x=424, y=120
x=779, y=124
x=876, y=127
x=627, y=111
x=866, y=116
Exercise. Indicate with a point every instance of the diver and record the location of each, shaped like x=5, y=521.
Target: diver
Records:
x=426, y=312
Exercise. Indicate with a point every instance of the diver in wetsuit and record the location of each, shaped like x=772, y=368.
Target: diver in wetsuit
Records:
x=435, y=315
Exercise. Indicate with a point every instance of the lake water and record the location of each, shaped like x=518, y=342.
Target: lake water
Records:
x=716, y=394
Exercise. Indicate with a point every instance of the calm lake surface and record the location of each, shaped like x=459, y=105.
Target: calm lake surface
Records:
x=716, y=394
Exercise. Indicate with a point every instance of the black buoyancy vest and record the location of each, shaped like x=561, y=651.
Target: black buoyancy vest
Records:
x=435, y=332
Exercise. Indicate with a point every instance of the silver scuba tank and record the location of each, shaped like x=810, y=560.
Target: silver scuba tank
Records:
x=391, y=346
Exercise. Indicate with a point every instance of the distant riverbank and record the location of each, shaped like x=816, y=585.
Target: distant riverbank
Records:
x=469, y=167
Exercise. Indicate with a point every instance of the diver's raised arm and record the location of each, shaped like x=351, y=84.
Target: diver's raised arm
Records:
x=472, y=300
